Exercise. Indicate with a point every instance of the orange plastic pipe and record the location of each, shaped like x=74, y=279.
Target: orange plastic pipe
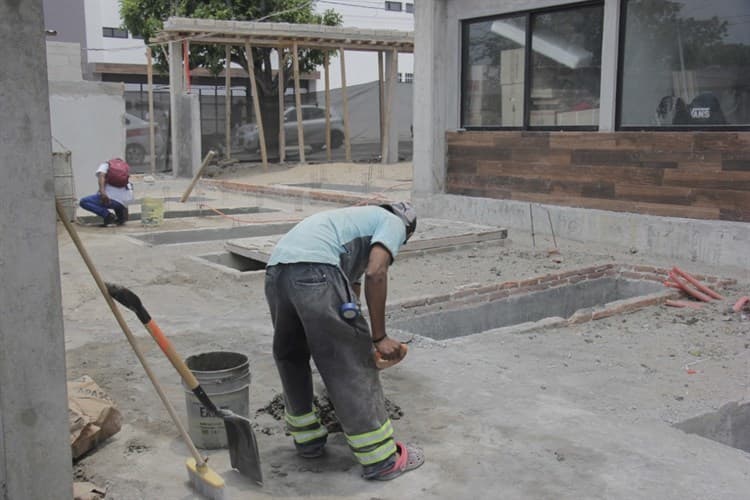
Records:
x=700, y=286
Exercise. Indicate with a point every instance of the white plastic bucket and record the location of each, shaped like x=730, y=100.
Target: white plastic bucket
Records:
x=225, y=377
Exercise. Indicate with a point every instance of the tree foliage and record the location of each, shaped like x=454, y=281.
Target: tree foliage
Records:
x=146, y=18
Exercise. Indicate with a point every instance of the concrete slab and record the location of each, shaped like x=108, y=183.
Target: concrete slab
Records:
x=579, y=411
x=431, y=234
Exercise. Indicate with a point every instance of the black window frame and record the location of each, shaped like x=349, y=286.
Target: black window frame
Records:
x=526, y=71
x=112, y=32
x=654, y=128
x=389, y=6
x=409, y=8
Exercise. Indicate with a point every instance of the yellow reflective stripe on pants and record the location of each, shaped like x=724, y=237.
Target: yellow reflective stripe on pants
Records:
x=303, y=437
x=301, y=420
x=378, y=454
x=371, y=438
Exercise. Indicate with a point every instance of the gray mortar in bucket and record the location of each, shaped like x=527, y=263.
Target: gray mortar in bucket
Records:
x=225, y=377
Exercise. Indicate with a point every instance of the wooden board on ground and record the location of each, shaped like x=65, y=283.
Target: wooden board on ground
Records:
x=431, y=234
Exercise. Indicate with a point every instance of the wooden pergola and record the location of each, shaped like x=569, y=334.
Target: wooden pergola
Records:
x=285, y=37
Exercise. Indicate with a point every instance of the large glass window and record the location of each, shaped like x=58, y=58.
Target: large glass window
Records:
x=493, y=72
x=566, y=49
x=560, y=89
x=685, y=64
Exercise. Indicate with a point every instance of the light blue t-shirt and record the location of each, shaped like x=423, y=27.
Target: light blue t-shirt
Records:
x=341, y=237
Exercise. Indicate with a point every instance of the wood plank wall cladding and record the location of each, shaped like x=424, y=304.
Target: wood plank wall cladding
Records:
x=699, y=175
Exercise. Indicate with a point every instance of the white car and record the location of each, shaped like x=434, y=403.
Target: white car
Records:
x=314, y=130
x=137, y=140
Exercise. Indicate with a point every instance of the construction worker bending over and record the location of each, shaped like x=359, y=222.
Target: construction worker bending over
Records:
x=312, y=288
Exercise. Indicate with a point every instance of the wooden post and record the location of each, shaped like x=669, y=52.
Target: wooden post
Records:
x=197, y=176
x=347, y=143
x=298, y=104
x=389, y=102
x=228, y=101
x=256, y=105
x=381, y=93
x=282, y=90
x=186, y=63
x=326, y=66
x=151, y=133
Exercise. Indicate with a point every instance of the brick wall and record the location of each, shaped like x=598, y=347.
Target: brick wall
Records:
x=473, y=296
x=700, y=175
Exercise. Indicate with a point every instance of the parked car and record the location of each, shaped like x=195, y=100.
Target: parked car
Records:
x=314, y=130
x=137, y=140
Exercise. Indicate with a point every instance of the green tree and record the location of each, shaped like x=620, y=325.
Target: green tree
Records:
x=145, y=18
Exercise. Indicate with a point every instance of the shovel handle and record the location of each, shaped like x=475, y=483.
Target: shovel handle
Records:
x=166, y=346
x=187, y=376
x=128, y=334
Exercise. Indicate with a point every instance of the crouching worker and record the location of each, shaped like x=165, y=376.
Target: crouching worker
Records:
x=115, y=193
x=312, y=288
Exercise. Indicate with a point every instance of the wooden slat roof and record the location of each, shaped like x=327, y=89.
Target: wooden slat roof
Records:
x=261, y=34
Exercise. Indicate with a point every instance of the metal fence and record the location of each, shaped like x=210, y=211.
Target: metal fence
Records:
x=364, y=124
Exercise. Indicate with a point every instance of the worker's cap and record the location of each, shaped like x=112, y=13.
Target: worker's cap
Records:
x=405, y=211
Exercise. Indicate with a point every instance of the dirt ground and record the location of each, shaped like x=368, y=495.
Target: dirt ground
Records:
x=585, y=411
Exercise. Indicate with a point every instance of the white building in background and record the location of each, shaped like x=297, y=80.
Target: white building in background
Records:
x=362, y=67
x=111, y=53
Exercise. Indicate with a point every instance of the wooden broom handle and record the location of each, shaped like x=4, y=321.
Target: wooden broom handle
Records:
x=126, y=330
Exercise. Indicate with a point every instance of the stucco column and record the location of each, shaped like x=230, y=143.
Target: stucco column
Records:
x=390, y=151
x=182, y=122
x=610, y=55
x=430, y=88
x=35, y=457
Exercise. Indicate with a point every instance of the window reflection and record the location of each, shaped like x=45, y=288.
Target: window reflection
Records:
x=566, y=47
x=493, y=72
x=566, y=66
x=685, y=63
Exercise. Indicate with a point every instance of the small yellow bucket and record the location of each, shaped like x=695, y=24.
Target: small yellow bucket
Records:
x=152, y=211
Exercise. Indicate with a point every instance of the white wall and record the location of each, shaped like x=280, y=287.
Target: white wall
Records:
x=63, y=61
x=101, y=13
x=86, y=117
x=362, y=67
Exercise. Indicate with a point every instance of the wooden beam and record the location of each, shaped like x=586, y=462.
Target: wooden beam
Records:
x=282, y=90
x=186, y=63
x=256, y=105
x=326, y=66
x=389, y=103
x=347, y=142
x=228, y=101
x=151, y=131
x=197, y=175
x=298, y=104
x=381, y=99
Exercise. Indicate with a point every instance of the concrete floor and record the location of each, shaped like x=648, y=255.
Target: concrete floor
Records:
x=578, y=412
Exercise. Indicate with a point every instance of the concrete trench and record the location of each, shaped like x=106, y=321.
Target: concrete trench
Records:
x=562, y=301
x=729, y=425
x=201, y=235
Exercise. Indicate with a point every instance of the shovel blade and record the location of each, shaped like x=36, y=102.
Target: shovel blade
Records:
x=243, y=448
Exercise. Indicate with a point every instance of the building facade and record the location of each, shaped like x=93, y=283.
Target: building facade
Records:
x=362, y=67
x=111, y=53
x=615, y=106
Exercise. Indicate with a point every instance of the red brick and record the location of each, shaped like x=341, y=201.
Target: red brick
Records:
x=595, y=275
x=438, y=299
x=412, y=303
x=603, y=313
x=500, y=294
x=528, y=282
x=580, y=317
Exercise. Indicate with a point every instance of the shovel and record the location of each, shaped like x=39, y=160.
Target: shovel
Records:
x=243, y=449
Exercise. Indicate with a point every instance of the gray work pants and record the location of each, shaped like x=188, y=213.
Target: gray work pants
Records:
x=304, y=299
